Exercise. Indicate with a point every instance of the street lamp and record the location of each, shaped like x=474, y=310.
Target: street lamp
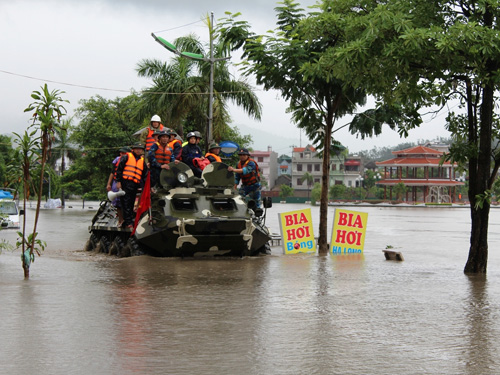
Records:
x=196, y=56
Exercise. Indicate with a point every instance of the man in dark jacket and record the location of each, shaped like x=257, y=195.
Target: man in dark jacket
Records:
x=191, y=151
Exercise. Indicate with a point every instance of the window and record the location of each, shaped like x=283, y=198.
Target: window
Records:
x=299, y=182
x=316, y=180
x=299, y=167
x=223, y=204
x=309, y=167
x=184, y=204
x=260, y=159
x=316, y=167
x=334, y=167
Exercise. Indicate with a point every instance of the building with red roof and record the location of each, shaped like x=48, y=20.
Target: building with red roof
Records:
x=420, y=169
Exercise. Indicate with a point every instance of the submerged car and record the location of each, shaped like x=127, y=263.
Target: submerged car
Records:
x=9, y=211
x=189, y=216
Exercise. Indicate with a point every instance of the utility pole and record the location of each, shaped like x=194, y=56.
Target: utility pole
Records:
x=196, y=56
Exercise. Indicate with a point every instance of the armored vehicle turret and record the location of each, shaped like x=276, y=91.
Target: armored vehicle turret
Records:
x=189, y=216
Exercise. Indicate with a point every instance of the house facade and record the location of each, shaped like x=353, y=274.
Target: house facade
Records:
x=268, y=164
x=305, y=160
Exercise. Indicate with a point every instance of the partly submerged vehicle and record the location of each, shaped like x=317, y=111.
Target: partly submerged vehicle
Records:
x=189, y=216
x=9, y=210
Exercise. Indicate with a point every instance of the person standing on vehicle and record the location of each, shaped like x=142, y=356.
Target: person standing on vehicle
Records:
x=213, y=153
x=147, y=135
x=130, y=176
x=249, y=175
x=175, y=145
x=159, y=156
x=191, y=151
x=111, y=185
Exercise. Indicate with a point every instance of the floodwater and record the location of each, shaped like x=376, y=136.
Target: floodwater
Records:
x=86, y=313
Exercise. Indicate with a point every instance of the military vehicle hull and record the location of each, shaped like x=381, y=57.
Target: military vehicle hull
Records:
x=194, y=217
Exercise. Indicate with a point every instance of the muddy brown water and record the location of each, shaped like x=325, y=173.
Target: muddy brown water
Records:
x=84, y=313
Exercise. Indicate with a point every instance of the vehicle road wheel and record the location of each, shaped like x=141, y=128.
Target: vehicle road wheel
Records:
x=124, y=251
x=104, y=244
x=135, y=248
x=91, y=243
x=116, y=246
x=264, y=250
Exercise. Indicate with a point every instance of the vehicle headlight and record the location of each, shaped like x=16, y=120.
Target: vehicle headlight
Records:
x=182, y=177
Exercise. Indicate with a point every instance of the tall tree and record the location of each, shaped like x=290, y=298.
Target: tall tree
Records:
x=278, y=60
x=180, y=89
x=105, y=126
x=47, y=113
x=415, y=54
x=308, y=179
x=63, y=149
x=6, y=154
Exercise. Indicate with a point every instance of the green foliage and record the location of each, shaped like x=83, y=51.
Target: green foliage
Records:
x=482, y=199
x=316, y=192
x=6, y=154
x=337, y=191
x=105, y=126
x=400, y=190
x=36, y=245
x=286, y=191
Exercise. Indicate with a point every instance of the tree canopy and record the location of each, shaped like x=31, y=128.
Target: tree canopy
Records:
x=415, y=54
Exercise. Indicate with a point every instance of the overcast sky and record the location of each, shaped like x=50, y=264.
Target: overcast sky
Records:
x=91, y=47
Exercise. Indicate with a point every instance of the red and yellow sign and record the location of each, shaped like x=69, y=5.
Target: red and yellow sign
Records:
x=349, y=230
x=297, y=232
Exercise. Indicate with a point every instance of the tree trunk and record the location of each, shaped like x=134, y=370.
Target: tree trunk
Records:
x=478, y=252
x=323, y=209
x=63, y=166
x=479, y=173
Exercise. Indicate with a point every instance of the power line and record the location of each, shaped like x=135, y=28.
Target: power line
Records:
x=118, y=90
x=177, y=27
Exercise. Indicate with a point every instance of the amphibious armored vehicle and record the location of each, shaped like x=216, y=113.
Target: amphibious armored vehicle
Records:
x=189, y=216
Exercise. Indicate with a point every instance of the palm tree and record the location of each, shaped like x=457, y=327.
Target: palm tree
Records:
x=179, y=90
x=307, y=177
x=62, y=149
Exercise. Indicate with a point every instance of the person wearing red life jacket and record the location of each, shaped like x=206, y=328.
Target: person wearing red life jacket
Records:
x=130, y=176
x=249, y=174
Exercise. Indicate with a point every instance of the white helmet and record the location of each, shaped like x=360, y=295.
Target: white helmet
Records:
x=156, y=118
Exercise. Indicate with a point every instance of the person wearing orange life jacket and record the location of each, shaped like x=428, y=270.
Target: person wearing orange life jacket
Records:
x=175, y=145
x=249, y=174
x=146, y=136
x=213, y=153
x=111, y=185
x=130, y=176
x=159, y=156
